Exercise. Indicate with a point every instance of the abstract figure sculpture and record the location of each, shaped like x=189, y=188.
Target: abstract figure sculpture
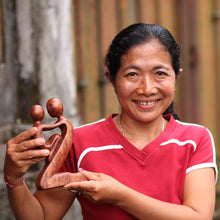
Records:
x=58, y=144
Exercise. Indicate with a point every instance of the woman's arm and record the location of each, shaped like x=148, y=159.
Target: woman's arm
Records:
x=21, y=153
x=45, y=205
x=198, y=200
x=55, y=202
x=198, y=196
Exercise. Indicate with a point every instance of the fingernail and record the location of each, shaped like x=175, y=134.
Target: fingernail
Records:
x=71, y=190
x=46, y=152
x=34, y=129
x=41, y=141
x=81, y=169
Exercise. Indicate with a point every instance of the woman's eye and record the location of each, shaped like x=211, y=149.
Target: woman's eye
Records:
x=131, y=74
x=161, y=73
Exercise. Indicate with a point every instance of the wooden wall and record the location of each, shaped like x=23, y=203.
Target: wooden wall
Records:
x=194, y=23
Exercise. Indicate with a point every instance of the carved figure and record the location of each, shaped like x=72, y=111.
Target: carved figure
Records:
x=58, y=144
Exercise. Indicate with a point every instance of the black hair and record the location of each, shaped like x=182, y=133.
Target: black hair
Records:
x=137, y=34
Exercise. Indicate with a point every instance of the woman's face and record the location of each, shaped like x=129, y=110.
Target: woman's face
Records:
x=145, y=82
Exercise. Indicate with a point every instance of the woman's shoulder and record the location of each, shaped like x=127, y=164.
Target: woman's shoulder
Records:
x=93, y=128
x=89, y=126
x=184, y=129
x=89, y=130
x=93, y=134
x=182, y=124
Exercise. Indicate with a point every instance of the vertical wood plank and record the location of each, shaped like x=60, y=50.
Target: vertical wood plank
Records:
x=108, y=28
x=79, y=61
x=91, y=58
x=123, y=9
x=166, y=14
x=207, y=78
x=146, y=11
x=127, y=10
x=189, y=82
x=216, y=22
x=88, y=68
x=108, y=22
x=133, y=11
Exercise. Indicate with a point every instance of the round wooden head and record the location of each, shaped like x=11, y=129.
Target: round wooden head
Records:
x=37, y=113
x=55, y=107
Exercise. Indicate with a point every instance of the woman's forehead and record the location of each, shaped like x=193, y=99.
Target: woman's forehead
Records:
x=147, y=52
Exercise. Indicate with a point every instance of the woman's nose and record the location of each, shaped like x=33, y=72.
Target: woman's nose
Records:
x=147, y=86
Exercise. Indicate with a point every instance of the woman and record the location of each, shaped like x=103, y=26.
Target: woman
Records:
x=139, y=164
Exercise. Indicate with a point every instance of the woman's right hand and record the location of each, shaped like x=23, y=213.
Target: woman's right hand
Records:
x=21, y=153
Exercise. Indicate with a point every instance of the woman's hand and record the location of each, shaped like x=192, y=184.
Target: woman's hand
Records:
x=99, y=187
x=199, y=196
x=21, y=153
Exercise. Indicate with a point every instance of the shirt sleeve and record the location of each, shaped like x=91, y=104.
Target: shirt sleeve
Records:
x=204, y=155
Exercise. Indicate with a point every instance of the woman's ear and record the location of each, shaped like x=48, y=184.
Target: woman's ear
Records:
x=109, y=77
x=180, y=73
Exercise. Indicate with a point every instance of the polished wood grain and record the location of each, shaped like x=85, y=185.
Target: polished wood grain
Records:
x=58, y=144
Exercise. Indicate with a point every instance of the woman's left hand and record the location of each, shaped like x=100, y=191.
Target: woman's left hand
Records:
x=99, y=187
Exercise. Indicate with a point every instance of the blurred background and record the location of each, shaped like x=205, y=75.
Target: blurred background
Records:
x=54, y=48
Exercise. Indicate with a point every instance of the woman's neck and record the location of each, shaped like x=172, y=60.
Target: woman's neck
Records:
x=135, y=131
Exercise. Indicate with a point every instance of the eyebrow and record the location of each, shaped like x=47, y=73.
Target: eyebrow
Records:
x=160, y=67
x=131, y=67
x=154, y=68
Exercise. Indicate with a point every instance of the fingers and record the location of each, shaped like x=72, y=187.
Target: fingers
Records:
x=86, y=186
x=22, y=142
x=23, y=136
x=38, y=154
x=26, y=158
x=34, y=154
x=90, y=175
x=83, y=186
x=27, y=150
x=99, y=187
x=22, y=152
x=30, y=144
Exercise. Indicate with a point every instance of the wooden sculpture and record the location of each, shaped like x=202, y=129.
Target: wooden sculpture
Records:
x=58, y=144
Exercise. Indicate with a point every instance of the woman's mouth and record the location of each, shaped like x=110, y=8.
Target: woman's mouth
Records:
x=146, y=103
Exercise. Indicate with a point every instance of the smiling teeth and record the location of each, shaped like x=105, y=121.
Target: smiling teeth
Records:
x=146, y=103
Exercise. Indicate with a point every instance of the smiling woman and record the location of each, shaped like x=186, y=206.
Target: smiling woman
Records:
x=145, y=84
x=140, y=163
x=143, y=63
